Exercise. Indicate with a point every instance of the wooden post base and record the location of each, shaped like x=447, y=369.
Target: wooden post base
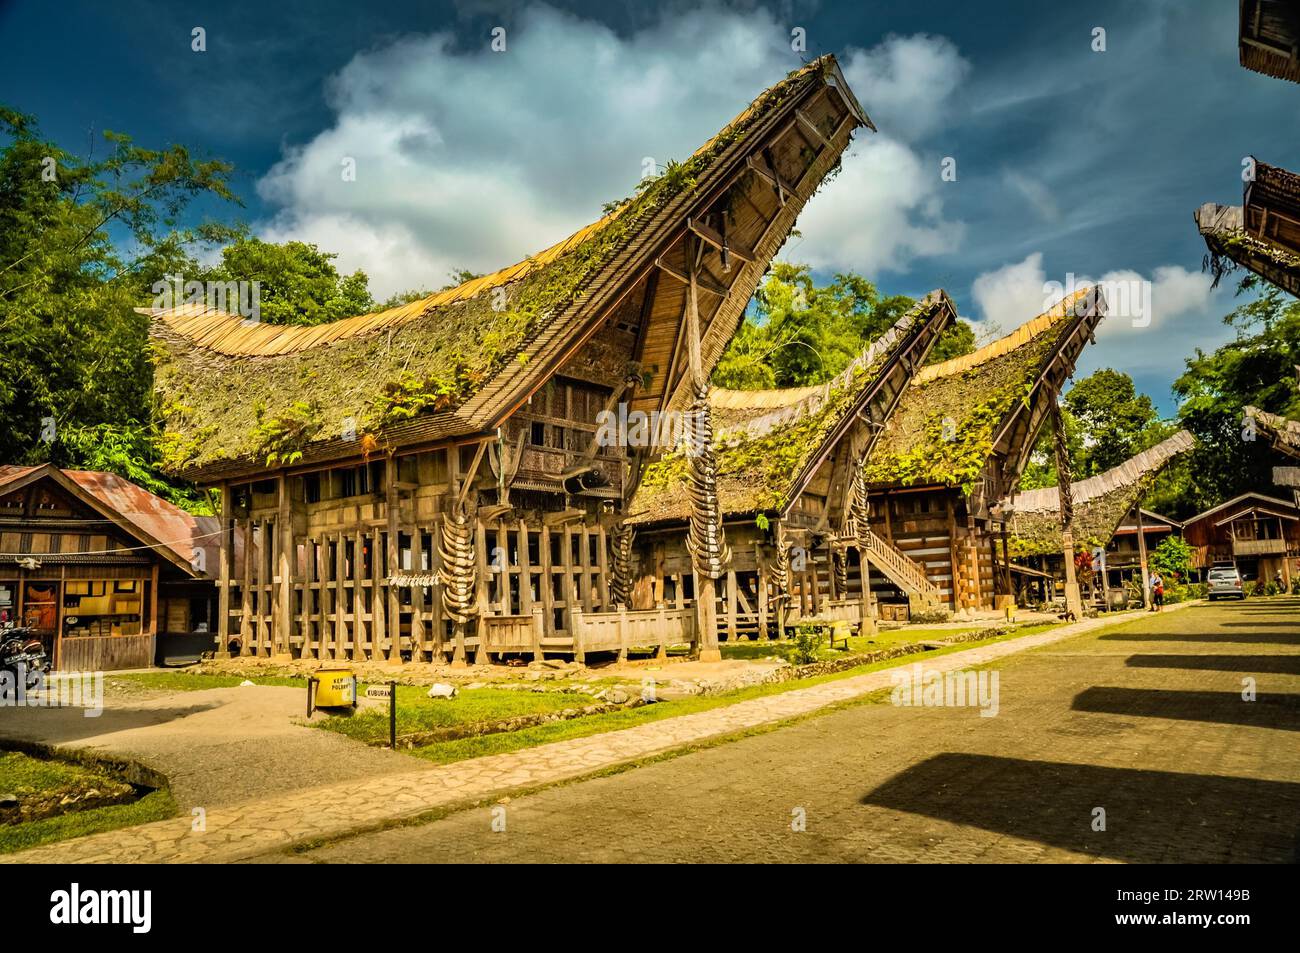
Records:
x=709, y=655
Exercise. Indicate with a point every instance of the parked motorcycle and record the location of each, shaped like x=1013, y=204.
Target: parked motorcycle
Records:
x=23, y=655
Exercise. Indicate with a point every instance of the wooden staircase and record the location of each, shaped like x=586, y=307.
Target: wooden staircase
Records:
x=902, y=571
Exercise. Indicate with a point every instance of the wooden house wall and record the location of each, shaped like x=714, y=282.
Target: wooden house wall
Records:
x=931, y=527
x=338, y=534
x=1213, y=543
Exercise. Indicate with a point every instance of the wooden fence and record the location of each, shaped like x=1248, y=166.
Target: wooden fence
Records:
x=631, y=628
x=105, y=653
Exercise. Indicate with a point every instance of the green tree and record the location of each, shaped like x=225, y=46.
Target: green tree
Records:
x=298, y=283
x=1172, y=558
x=1107, y=422
x=800, y=333
x=1115, y=420
x=81, y=243
x=1257, y=368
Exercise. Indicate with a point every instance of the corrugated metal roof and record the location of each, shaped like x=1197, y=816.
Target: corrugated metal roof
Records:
x=161, y=525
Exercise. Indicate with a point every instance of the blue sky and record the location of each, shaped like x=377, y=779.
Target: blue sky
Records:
x=1069, y=160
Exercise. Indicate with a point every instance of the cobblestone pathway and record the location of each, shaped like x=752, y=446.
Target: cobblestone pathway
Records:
x=1146, y=723
x=249, y=830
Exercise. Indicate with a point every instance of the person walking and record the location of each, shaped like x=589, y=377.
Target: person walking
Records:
x=1157, y=592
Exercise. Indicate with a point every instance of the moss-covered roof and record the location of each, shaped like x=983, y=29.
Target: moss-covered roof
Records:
x=246, y=394
x=1230, y=247
x=948, y=419
x=767, y=438
x=1100, y=502
x=1282, y=432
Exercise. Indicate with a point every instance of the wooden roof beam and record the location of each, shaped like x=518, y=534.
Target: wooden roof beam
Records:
x=704, y=284
x=773, y=178
x=811, y=128
x=723, y=245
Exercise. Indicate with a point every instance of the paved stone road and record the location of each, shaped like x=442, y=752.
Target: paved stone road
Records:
x=251, y=829
x=1146, y=722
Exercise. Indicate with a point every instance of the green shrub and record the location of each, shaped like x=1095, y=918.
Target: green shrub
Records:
x=809, y=634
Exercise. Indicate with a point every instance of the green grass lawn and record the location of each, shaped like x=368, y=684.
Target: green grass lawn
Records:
x=857, y=644
x=417, y=712
x=22, y=775
x=193, y=681
x=445, y=752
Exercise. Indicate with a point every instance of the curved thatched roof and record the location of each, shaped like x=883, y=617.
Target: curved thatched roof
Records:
x=1100, y=502
x=1267, y=37
x=1262, y=234
x=769, y=440
x=1282, y=432
x=458, y=361
x=950, y=418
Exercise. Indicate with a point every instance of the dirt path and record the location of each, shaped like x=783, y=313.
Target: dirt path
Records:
x=218, y=746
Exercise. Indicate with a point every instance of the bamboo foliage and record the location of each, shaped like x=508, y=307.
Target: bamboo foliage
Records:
x=620, y=585
x=705, y=540
x=458, y=573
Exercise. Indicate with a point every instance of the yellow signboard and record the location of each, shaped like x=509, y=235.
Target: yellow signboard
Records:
x=336, y=688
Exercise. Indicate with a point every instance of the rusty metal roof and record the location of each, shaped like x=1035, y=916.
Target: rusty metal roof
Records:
x=180, y=537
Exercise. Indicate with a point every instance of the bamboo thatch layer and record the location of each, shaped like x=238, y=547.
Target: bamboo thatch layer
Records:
x=1100, y=502
x=767, y=438
x=1230, y=246
x=947, y=422
x=1269, y=38
x=457, y=362
x=1283, y=432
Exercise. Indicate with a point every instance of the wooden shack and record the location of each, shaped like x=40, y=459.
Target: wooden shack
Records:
x=1257, y=533
x=789, y=466
x=432, y=480
x=107, y=574
x=958, y=444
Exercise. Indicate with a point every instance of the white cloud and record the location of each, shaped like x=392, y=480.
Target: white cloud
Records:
x=467, y=158
x=906, y=83
x=1009, y=296
x=1146, y=315
x=885, y=207
x=881, y=211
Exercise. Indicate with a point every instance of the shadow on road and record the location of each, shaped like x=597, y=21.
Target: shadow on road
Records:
x=1267, y=711
x=69, y=725
x=1150, y=816
x=1259, y=635
x=1265, y=664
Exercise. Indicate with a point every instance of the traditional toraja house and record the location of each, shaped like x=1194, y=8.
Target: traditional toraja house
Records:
x=1262, y=234
x=1257, y=533
x=1100, y=505
x=428, y=480
x=1282, y=433
x=1269, y=38
x=107, y=574
x=959, y=442
x=789, y=465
